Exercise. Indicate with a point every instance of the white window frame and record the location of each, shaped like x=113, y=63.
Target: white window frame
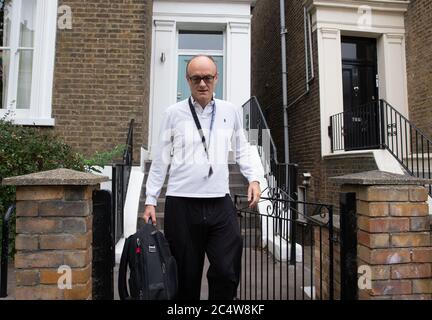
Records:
x=40, y=111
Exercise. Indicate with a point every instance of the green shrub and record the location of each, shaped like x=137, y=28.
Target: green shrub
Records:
x=29, y=149
x=25, y=150
x=101, y=159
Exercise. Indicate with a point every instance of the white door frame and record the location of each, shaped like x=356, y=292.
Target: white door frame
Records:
x=231, y=17
x=383, y=20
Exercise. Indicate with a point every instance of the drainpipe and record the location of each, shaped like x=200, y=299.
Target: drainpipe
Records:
x=285, y=73
x=284, y=79
x=308, y=80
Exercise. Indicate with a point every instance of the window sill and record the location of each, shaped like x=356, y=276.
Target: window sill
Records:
x=46, y=122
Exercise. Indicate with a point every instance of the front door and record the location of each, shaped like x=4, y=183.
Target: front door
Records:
x=360, y=93
x=183, y=91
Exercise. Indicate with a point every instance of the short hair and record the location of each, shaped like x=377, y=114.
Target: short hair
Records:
x=197, y=56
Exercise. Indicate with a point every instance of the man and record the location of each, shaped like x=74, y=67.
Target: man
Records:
x=199, y=214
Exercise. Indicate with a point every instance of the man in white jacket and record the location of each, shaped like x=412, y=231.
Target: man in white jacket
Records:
x=200, y=217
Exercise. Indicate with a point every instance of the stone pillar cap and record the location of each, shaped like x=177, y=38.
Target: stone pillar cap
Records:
x=55, y=177
x=377, y=177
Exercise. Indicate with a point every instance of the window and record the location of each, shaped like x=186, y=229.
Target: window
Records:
x=201, y=40
x=27, y=31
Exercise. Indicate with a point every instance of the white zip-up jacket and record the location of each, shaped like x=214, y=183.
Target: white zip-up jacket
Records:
x=180, y=148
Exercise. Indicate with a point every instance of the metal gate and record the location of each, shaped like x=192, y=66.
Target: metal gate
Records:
x=277, y=268
x=103, y=246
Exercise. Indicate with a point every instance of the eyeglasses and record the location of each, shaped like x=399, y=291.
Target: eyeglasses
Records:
x=208, y=79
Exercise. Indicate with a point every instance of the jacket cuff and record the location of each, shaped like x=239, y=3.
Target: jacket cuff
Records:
x=150, y=200
x=257, y=179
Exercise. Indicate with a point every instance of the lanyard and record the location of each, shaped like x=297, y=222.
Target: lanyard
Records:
x=212, y=121
x=198, y=125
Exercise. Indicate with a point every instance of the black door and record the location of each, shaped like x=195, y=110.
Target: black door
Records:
x=360, y=93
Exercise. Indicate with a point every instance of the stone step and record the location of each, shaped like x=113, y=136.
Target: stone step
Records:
x=159, y=208
x=159, y=221
x=251, y=238
x=232, y=167
x=245, y=222
x=238, y=185
x=234, y=189
x=234, y=178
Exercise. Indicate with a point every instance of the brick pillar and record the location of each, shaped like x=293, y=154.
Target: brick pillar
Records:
x=54, y=234
x=393, y=234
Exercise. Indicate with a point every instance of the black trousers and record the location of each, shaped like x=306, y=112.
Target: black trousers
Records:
x=195, y=226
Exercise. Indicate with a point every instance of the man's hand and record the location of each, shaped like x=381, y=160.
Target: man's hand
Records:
x=150, y=212
x=254, y=193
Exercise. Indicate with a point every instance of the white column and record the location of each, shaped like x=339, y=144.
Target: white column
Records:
x=393, y=76
x=163, y=73
x=238, y=62
x=330, y=80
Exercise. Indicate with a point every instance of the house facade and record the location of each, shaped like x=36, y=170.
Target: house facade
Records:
x=345, y=58
x=86, y=68
x=358, y=99
x=88, y=74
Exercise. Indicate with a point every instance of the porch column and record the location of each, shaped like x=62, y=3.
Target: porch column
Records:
x=54, y=234
x=393, y=234
x=238, y=62
x=392, y=71
x=330, y=80
x=163, y=92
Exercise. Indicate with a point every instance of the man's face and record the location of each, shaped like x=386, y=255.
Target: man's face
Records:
x=202, y=79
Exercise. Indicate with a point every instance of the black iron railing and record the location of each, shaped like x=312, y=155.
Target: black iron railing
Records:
x=358, y=129
x=274, y=240
x=378, y=125
x=281, y=177
x=5, y=251
x=267, y=270
x=128, y=152
x=120, y=180
x=407, y=143
x=258, y=133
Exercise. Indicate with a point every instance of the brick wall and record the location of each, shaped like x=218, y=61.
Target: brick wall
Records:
x=102, y=71
x=394, y=240
x=304, y=121
x=334, y=166
x=304, y=116
x=54, y=234
x=266, y=66
x=54, y=228
x=419, y=63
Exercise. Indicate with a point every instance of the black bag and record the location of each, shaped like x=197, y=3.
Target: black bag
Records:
x=153, y=270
